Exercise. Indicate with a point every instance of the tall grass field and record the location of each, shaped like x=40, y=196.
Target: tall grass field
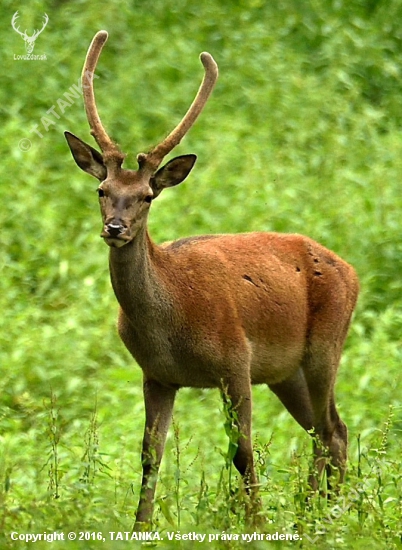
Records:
x=303, y=134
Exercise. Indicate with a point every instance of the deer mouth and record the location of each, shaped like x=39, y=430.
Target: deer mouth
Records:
x=116, y=242
x=115, y=238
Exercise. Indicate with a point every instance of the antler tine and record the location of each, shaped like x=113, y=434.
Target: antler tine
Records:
x=13, y=23
x=156, y=156
x=97, y=130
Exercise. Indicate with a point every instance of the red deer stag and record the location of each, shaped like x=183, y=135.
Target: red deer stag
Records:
x=217, y=311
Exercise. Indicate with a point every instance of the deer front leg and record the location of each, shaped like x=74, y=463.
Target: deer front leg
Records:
x=159, y=402
x=237, y=403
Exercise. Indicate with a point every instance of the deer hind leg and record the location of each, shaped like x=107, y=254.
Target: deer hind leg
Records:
x=330, y=449
x=308, y=396
x=335, y=439
x=326, y=336
x=159, y=402
x=330, y=432
x=295, y=396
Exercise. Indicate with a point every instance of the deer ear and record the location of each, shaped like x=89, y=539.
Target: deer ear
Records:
x=86, y=157
x=173, y=173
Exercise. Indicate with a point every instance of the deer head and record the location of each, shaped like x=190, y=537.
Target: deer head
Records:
x=29, y=40
x=125, y=196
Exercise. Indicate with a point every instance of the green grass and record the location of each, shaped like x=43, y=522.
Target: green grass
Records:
x=302, y=134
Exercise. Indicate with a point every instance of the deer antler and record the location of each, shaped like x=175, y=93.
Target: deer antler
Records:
x=37, y=33
x=17, y=29
x=109, y=149
x=156, y=156
x=153, y=159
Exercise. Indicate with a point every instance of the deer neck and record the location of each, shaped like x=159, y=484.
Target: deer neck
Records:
x=136, y=279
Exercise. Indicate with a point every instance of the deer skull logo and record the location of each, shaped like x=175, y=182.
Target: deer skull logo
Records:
x=29, y=40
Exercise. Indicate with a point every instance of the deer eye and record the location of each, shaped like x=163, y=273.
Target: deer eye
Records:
x=101, y=193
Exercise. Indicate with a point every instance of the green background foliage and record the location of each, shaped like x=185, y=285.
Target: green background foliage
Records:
x=302, y=134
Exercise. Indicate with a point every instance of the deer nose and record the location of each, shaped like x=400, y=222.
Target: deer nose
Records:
x=115, y=230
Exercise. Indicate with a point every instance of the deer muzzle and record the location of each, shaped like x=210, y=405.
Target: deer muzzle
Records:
x=115, y=234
